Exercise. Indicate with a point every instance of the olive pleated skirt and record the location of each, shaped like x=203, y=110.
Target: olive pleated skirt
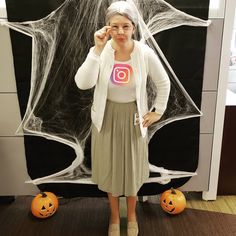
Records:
x=119, y=152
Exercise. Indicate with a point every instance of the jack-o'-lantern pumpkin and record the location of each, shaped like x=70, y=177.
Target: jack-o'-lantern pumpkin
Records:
x=44, y=205
x=173, y=201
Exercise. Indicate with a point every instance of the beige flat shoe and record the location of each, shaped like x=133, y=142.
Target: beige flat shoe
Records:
x=132, y=229
x=114, y=230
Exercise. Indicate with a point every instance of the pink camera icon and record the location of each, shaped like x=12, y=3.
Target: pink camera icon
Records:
x=121, y=73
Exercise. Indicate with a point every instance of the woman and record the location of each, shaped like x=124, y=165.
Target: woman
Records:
x=118, y=68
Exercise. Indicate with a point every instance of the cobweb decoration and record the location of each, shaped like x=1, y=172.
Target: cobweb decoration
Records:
x=58, y=110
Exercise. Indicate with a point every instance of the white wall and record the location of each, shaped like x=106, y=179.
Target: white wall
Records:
x=13, y=171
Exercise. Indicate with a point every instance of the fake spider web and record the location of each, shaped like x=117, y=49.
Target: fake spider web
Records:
x=58, y=110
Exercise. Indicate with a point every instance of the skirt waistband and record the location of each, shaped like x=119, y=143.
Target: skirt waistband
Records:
x=121, y=103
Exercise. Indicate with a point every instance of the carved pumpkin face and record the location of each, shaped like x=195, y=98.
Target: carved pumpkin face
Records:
x=173, y=201
x=44, y=205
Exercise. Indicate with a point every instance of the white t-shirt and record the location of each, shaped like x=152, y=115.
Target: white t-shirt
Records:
x=121, y=86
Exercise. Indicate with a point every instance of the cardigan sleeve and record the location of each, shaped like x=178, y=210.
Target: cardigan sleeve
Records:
x=87, y=75
x=161, y=79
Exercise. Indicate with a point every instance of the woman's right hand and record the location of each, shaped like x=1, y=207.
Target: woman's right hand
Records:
x=100, y=39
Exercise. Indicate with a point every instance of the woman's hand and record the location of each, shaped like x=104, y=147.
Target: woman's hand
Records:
x=150, y=118
x=100, y=39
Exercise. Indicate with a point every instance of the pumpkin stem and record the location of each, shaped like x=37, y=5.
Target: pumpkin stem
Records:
x=172, y=190
x=44, y=194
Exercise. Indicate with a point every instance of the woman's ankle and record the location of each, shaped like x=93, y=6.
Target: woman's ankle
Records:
x=114, y=219
x=132, y=218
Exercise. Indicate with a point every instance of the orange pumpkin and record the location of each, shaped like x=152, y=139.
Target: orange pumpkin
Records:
x=173, y=201
x=44, y=205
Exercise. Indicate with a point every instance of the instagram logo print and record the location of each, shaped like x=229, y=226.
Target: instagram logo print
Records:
x=121, y=73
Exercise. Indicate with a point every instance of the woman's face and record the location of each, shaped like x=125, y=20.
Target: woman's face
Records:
x=122, y=29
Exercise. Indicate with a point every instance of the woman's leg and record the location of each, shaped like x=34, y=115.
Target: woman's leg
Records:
x=131, y=208
x=132, y=225
x=115, y=210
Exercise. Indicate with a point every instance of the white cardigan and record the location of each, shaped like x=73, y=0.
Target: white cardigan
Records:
x=96, y=71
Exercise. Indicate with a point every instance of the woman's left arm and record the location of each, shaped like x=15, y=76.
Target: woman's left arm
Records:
x=161, y=79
